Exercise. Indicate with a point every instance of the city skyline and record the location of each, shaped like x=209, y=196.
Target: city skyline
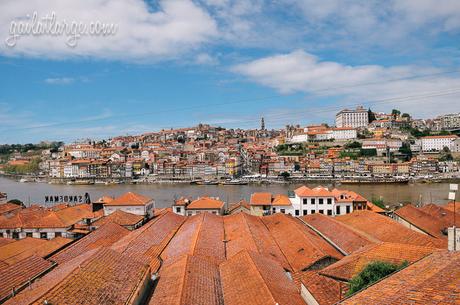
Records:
x=219, y=67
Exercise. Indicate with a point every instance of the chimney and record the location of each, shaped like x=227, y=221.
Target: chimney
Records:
x=453, y=237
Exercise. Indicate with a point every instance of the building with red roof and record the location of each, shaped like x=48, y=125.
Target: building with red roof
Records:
x=131, y=203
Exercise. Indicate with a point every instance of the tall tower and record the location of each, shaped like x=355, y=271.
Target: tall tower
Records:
x=262, y=124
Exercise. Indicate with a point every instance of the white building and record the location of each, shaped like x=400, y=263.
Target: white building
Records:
x=310, y=201
x=211, y=205
x=131, y=203
x=352, y=118
x=437, y=143
x=344, y=133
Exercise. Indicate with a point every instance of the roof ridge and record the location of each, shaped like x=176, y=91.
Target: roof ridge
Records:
x=197, y=234
x=248, y=254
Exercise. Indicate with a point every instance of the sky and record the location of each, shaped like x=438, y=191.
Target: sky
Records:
x=177, y=63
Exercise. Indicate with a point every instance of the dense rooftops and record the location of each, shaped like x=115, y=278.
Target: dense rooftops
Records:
x=129, y=198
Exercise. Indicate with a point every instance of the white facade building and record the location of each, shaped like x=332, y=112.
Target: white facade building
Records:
x=352, y=118
x=437, y=143
x=344, y=133
x=131, y=203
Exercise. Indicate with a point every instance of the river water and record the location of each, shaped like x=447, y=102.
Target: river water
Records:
x=164, y=194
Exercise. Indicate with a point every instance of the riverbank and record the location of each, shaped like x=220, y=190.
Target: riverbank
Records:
x=165, y=193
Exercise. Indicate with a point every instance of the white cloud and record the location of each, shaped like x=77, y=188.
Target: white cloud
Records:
x=299, y=71
x=176, y=27
x=60, y=81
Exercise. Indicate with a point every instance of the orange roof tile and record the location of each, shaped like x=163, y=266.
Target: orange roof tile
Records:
x=301, y=246
x=450, y=206
x=261, y=199
x=188, y=280
x=422, y=221
x=432, y=280
x=20, y=273
x=5, y=241
x=340, y=234
x=281, y=200
x=205, y=203
x=119, y=217
x=107, y=277
x=200, y=235
x=9, y=207
x=441, y=213
x=250, y=278
x=23, y=248
x=241, y=204
x=130, y=198
x=319, y=191
x=247, y=232
x=106, y=235
x=325, y=290
x=351, y=265
x=386, y=229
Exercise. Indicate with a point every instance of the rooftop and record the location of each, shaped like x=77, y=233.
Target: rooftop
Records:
x=251, y=278
x=432, y=280
x=130, y=198
x=261, y=199
x=423, y=221
x=383, y=228
x=351, y=265
x=119, y=217
x=205, y=203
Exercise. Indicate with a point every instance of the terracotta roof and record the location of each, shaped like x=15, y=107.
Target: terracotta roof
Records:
x=432, y=280
x=450, y=206
x=76, y=213
x=319, y=191
x=39, y=287
x=9, y=207
x=23, y=248
x=261, y=199
x=200, y=235
x=250, y=278
x=5, y=241
x=107, y=277
x=301, y=246
x=119, y=217
x=351, y=265
x=106, y=235
x=130, y=198
x=386, y=229
x=20, y=273
x=242, y=203
x=422, y=221
x=152, y=238
x=182, y=201
x=247, y=232
x=374, y=208
x=205, y=203
x=325, y=290
x=188, y=280
x=340, y=234
x=281, y=200
x=441, y=213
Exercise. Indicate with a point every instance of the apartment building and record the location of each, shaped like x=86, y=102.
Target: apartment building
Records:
x=437, y=143
x=352, y=118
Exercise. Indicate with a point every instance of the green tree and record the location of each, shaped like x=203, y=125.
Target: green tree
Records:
x=372, y=273
x=371, y=115
x=395, y=113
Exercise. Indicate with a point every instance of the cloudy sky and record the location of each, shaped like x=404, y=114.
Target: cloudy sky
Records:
x=176, y=63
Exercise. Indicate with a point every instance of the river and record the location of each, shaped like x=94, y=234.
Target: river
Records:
x=164, y=194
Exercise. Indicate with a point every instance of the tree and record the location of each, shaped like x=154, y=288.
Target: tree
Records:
x=405, y=149
x=405, y=115
x=354, y=144
x=371, y=115
x=395, y=113
x=372, y=273
x=285, y=175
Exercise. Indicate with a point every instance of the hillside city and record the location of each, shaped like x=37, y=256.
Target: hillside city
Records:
x=362, y=146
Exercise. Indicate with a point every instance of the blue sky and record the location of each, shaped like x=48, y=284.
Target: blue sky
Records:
x=177, y=63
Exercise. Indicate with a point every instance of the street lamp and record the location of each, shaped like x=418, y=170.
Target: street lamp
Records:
x=452, y=196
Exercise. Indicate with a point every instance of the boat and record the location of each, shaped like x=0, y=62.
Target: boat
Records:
x=80, y=182
x=24, y=180
x=235, y=182
x=207, y=182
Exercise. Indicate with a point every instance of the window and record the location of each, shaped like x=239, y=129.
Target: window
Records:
x=178, y=209
x=305, y=212
x=312, y=201
x=321, y=211
x=321, y=201
x=15, y=235
x=297, y=213
x=329, y=200
x=337, y=210
x=58, y=234
x=283, y=211
x=274, y=210
x=313, y=211
x=305, y=201
x=43, y=235
x=329, y=212
x=28, y=234
x=214, y=212
x=348, y=209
